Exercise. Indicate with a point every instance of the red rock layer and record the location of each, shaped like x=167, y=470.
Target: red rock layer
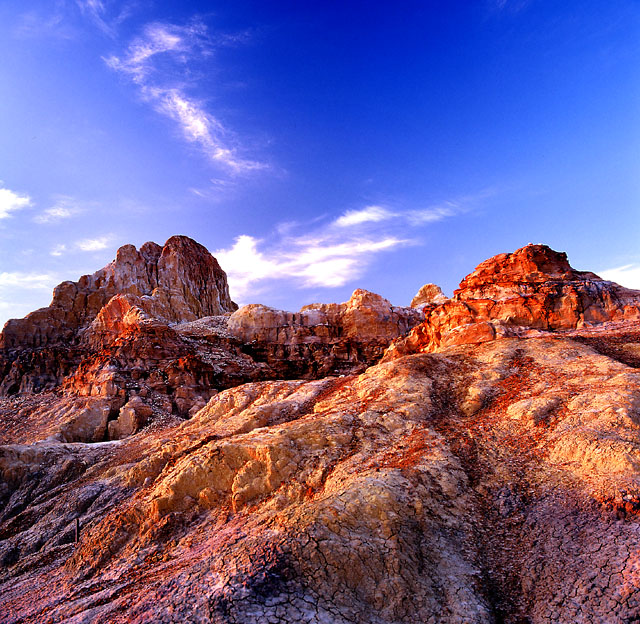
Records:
x=516, y=294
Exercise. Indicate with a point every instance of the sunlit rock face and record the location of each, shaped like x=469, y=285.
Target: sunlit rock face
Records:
x=482, y=480
x=515, y=294
x=428, y=294
x=322, y=339
x=179, y=282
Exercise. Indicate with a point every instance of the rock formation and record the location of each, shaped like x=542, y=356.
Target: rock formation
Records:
x=428, y=294
x=322, y=339
x=468, y=477
x=517, y=294
x=156, y=327
x=181, y=281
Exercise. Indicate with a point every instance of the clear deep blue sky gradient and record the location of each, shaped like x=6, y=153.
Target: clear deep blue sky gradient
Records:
x=316, y=147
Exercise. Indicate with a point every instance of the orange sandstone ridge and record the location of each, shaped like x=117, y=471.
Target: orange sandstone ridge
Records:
x=473, y=459
x=517, y=294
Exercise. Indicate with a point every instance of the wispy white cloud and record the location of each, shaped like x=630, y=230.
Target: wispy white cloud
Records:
x=107, y=16
x=364, y=215
x=157, y=39
x=433, y=213
x=23, y=291
x=322, y=260
x=157, y=62
x=83, y=245
x=93, y=244
x=333, y=252
x=58, y=250
x=34, y=24
x=627, y=275
x=64, y=208
x=10, y=202
x=27, y=281
x=95, y=10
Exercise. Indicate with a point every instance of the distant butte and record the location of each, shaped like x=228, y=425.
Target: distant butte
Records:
x=473, y=459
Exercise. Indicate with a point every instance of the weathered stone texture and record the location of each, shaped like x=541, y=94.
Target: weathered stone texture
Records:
x=520, y=294
x=486, y=470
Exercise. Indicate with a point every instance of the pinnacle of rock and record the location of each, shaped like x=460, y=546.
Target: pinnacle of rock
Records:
x=428, y=294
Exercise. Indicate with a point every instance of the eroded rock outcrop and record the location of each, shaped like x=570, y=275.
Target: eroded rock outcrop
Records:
x=517, y=294
x=154, y=327
x=180, y=281
x=487, y=480
x=322, y=339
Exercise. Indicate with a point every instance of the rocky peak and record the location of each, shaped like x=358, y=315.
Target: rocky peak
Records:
x=428, y=294
x=182, y=278
x=178, y=282
x=531, y=290
x=519, y=273
x=192, y=281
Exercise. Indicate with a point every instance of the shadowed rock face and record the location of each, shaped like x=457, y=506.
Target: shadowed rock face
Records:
x=490, y=481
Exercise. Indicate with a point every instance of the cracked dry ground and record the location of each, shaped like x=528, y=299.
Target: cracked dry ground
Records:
x=488, y=483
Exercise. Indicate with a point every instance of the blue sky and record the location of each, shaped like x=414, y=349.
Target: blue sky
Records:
x=317, y=147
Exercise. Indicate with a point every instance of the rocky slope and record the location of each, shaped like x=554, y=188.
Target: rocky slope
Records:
x=156, y=333
x=471, y=476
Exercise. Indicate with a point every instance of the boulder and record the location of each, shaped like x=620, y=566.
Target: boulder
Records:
x=132, y=417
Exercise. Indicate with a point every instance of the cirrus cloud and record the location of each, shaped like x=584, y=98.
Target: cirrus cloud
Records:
x=156, y=62
x=64, y=208
x=320, y=260
x=93, y=244
x=369, y=214
x=627, y=275
x=417, y=216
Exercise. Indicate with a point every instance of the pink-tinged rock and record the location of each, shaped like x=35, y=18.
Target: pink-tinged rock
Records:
x=428, y=294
